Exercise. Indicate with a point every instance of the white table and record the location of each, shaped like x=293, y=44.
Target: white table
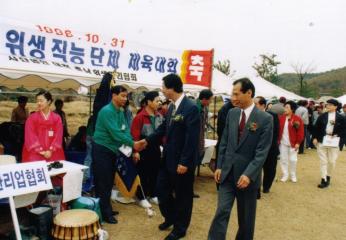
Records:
x=209, y=146
x=67, y=167
x=72, y=179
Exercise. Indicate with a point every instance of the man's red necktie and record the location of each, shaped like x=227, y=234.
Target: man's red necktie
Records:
x=241, y=125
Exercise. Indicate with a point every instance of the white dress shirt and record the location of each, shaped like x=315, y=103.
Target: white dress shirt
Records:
x=330, y=127
x=247, y=112
x=285, y=140
x=178, y=101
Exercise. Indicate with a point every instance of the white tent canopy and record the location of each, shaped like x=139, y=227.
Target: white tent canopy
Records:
x=342, y=99
x=223, y=85
x=32, y=57
x=30, y=54
x=269, y=90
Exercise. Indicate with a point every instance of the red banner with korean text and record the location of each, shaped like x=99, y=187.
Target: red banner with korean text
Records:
x=196, y=68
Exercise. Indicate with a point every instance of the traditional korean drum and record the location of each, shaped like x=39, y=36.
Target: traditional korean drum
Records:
x=76, y=224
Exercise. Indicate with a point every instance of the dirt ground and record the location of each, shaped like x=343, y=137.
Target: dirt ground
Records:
x=290, y=211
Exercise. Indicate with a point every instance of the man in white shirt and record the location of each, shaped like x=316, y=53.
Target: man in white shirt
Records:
x=243, y=149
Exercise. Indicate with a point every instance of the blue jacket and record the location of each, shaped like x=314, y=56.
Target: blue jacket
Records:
x=181, y=132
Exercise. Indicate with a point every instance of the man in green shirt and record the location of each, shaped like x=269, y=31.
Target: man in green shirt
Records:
x=111, y=132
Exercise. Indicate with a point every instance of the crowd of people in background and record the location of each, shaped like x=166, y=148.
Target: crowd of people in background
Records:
x=307, y=126
x=179, y=124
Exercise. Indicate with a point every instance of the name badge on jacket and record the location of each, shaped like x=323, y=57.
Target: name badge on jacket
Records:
x=50, y=133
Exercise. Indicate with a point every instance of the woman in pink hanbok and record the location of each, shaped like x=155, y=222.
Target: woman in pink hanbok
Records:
x=43, y=132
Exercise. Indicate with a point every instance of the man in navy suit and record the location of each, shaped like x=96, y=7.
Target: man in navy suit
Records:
x=180, y=156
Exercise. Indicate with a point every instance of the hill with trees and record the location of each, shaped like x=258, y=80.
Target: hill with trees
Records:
x=331, y=83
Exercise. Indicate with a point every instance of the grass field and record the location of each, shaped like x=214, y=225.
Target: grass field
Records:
x=290, y=211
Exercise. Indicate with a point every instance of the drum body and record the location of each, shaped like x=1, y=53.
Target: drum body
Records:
x=76, y=224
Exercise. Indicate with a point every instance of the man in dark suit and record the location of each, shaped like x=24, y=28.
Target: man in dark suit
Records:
x=269, y=166
x=180, y=155
x=244, y=146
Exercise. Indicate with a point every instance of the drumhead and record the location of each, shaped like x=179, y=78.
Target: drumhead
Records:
x=76, y=218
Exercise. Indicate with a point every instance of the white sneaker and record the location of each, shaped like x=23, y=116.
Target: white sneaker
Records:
x=154, y=200
x=294, y=179
x=116, y=196
x=144, y=203
x=284, y=179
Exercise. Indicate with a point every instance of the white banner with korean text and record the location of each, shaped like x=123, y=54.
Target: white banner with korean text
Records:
x=24, y=178
x=34, y=48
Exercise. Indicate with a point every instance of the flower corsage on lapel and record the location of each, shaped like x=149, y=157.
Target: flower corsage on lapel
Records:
x=178, y=118
x=296, y=124
x=332, y=122
x=252, y=127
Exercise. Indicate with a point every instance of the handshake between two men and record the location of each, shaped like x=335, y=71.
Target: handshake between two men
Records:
x=140, y=145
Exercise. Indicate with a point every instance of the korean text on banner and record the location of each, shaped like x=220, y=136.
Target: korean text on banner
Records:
x=24, y=178
x=37, y=48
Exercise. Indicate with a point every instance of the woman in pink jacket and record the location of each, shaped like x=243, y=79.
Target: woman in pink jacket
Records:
x=43, y=132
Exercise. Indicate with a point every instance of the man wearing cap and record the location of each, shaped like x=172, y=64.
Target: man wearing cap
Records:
x=328, y=126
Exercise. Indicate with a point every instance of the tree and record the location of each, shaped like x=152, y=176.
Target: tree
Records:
x=225, y=67
x=268, y=68
x=302, y=70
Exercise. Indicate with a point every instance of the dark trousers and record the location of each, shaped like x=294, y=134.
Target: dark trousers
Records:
x=103, y=166
x=246, y=207
x=269, y=171
x=302, y=145
x=177, y=208
x=148, y=170
x=342, y=143
x=308, y=138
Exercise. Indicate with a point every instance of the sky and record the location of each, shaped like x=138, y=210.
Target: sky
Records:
x=309, y=32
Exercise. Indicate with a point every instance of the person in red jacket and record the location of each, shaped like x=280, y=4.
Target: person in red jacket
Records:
x=144, y=124
x=291, y=134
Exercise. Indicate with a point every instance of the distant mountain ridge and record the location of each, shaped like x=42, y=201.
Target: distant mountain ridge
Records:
x=332, y=83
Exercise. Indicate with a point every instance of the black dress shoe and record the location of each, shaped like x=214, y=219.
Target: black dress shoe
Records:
x=114, y=213
x=265, y=190
x=323, y=184
x=110, y=220
x=175, y=236
x=258, y=195
x=328, y=180
x=165, y=225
